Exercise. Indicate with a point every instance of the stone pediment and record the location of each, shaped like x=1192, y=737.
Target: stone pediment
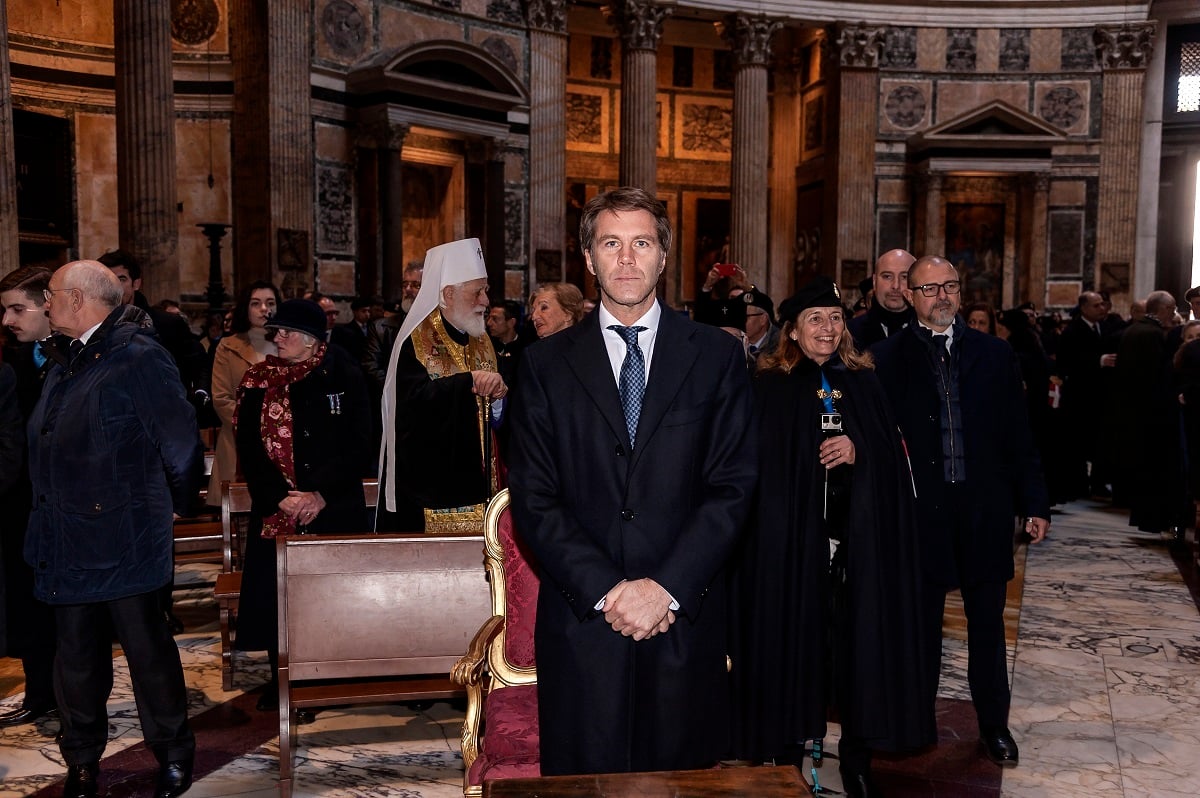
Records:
x=994, y=126
x=443, y=71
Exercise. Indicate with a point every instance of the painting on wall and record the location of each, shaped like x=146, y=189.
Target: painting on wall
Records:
x=975, y=245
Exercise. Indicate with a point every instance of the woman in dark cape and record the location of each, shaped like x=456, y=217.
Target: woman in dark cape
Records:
x=811, y=633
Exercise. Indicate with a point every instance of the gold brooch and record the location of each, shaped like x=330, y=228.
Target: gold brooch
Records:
x=823, y=394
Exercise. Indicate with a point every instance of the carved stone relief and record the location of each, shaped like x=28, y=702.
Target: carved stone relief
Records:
x=899, y=48
x=583, y=118
x=193, y=22
x=1062, y=106
x=858, y=45
x=707, y=128
x=1014, y=49
x=547, y=15
x=1078, y=51
x=638, y=22
x=905, y=106
x=505, y=11
x=1125, y=46
x=503, y=52
x=960, y=49
x=344, y=28
x=335, y=203
x=749, y=37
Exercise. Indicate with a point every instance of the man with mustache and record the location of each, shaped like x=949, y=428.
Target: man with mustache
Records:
x=437, y=461
x=960, y=403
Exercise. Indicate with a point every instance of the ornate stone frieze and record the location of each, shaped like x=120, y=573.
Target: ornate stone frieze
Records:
x=344, y=28
x=547, y=15
x=749, y=37
x=193, y=22
x=1125, y=46
x=858, y=45
x=639, y=23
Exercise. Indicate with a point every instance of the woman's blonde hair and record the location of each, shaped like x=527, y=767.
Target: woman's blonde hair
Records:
x=788, y=354
x=568, y=296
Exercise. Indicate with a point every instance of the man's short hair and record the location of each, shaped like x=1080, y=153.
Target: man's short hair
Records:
x=414, y=266
x=361, y=302
x=29, y=280
x=511, y=308
x=120, y=257
x=1192, y=293
x=624, y=200
x=1157, y=301
x=95, y=285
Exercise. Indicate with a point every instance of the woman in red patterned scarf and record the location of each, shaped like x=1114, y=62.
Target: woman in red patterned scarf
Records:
x=302, y=429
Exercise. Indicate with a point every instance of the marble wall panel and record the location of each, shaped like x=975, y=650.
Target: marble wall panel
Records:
x=343, y=30
x=514, y=166
x=514, y=226
x=1065, y=244
x=1045, y=50
x=905, y=106
x=1068, y=192
x=335, y=277
x=400, y=28
x=892, y=192
x=931, y=49
x=333, y=142
x=96, y=183
x=956, y=97
x=987, y=50
x=201, y=203
x=1064, y=104
x=1060, y=294
x=703, y=127
x=702, y=68
x=589, y=123
x=335, y=209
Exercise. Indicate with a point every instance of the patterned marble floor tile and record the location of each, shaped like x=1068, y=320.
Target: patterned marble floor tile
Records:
x=1156, y=766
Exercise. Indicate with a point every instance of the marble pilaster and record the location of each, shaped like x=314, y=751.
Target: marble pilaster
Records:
x=639, y=24
x=935, y=219
x=1146, y=253
x=785, y=153
x=858, y=47
x=10, y=248
x=147, y=220
x=391, y=208
x=750, y=39
x=1034, y=286
x=1123, y=52
x=548, y=127
x=272, y=141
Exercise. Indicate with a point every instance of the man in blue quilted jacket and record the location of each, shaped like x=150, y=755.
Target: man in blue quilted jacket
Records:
x=113, y=452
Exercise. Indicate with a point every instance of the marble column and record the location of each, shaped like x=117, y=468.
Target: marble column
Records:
x=147, y=220
x=273, y=158
x=1037, y=187
x=750, y=39
x=785, y=155
x=547, y=129
x=639, y=24
x=391, y=208
x=1146, y=252
x=935, y=216
x=1123, y=52
x=858, y=47
x=10, y=247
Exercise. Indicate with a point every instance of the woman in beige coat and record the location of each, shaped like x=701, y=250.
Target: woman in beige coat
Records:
x=237, y=352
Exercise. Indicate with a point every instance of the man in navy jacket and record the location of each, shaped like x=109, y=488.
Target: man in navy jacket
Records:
x=113, y=449
x=960, y=403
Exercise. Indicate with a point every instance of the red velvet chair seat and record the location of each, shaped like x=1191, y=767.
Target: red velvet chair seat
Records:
x=510, y=743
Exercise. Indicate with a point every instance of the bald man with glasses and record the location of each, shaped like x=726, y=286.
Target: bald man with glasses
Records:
x=958, y=397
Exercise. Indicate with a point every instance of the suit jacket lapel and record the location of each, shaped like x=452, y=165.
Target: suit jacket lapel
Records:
x=674, y=354
x=588, y=358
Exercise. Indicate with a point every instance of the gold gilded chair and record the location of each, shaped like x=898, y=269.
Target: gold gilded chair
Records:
x=500, y=734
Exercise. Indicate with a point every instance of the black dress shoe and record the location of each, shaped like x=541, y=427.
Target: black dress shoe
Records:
x=860, y=785
x=81, y=780
x=174, y=778
x=24, y=714
x=1000, y=746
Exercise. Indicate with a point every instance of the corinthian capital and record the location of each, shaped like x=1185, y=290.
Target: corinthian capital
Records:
x=547, y=15
x=638, y=22
x=749, y=37
x=858, y=45
x=1125, y=46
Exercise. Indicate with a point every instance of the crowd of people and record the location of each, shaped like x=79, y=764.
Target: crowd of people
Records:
x=743, y=520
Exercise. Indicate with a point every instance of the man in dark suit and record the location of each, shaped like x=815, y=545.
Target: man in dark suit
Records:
x=959, y=400
x=1084, y=356
x=889, y=312
x=632, y=471
x=352, y=336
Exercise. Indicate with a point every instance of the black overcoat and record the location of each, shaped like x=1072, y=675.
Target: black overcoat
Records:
x=785, y=636
x=1004, y=472
x=594, y=512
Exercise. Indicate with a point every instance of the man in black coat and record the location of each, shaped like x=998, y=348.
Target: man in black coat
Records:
x=632, y=472
x=889, y=312
x=352, y=336
x=30, y=622
x=1084, y=363
x=958, y=398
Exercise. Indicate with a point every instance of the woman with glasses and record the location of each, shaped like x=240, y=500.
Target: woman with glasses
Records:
x=827, y=581
x=302, y=429
x=246, y=345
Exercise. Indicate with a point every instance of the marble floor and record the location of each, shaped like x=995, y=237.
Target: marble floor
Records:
x=1104, y=649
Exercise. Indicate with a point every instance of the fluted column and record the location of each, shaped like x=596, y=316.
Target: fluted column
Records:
x=148, y=226
x=935, y=216
x=750, y=39
x=785, y=155
x=273, y=155
x=1123, y=52
x=639, y=24
x=858, y=56
x=10, y=247
x=547, y=128
x=1038, y=187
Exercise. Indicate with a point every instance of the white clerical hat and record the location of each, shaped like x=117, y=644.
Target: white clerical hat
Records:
x=446, y=264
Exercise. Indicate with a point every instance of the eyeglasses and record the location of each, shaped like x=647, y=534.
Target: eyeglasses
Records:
x=951, y=287
x=49, y=293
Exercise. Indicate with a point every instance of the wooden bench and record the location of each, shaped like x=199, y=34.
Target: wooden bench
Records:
x=368, y=619
x=235, y=507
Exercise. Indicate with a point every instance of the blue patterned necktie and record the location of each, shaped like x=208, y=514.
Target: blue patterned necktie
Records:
x=633, y=377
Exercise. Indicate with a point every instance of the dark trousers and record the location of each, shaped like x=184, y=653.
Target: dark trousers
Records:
x=83, y=677
x=987, y=660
